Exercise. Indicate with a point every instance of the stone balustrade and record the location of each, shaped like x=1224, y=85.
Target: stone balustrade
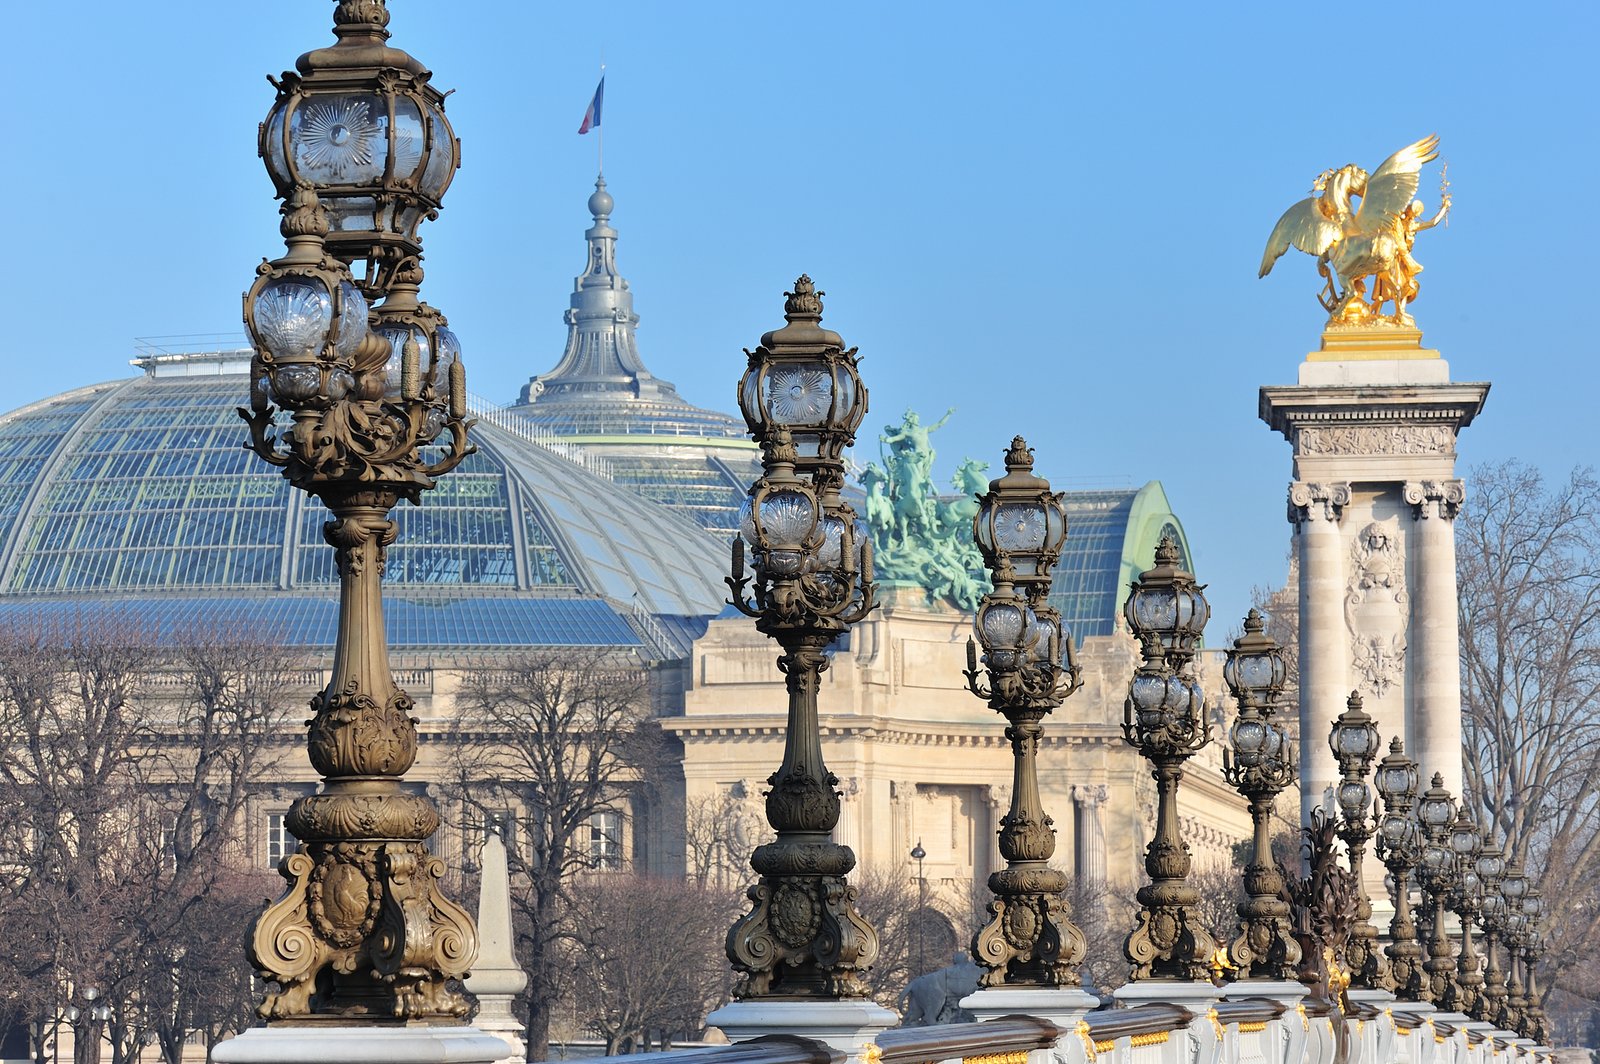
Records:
x=1233, y=1031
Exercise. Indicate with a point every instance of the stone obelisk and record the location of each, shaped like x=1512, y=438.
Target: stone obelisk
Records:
x=1373, y=422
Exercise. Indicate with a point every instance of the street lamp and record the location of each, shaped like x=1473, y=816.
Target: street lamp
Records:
x=1467, y=844
x=358, y=148
x=1436, y=812
x=1534, y=947
x=1258, y=763
x=1355, y=743
x=1029, y=668
x=812, y=577
x=1513, y=888
x=1164, y=716
x=1399, y=846
x=917, y=855
x=86, y=1035
x=1492, y=874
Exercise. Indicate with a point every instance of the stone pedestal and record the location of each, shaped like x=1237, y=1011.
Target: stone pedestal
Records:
x=1373, y=422
x=845, y=1025
x=361, y=1045
x=1196, y=997
x=1062, y=1006
x=496, y=978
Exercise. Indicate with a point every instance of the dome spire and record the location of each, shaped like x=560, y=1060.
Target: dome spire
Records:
x=602, y=355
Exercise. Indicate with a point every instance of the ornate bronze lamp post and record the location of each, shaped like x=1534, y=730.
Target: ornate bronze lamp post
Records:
x=1355, y=743
x=1164, y=716
x=812, y=579
x=1514, y=926
x=1492, y=908
x=1258, y=764
x=1464, y=902
x=1437, y=812
x=1030, y=669
x=358, y=146
x=1533, y=949
x=1398, y=846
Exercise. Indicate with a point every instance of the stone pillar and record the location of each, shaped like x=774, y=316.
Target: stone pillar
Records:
x=1373, y=421
x=847, y=832
x=1433, y=719
x=1315, y=510
x=1089, y=862
x=496, y=977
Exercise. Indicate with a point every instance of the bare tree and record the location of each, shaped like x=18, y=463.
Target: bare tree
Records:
x=1529, y=585
x=555, y=741
x=646, y=957
x=123, y=775
x=720, y=831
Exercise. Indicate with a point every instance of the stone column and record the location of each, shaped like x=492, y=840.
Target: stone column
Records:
x=1433, y=715
x=1089, y=862
x=1315, y=510
x=847, y=832
x=496, y=978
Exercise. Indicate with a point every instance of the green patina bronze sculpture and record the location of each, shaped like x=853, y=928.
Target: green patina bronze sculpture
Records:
x=923, y=539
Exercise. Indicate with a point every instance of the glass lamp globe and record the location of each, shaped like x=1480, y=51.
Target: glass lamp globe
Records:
x=1020, y=517
x=1353, y=798
x=801, y=378
x=1004, y=628
x=361, y=124
x=1464, y=837
x=1167, y=603
x=1255, y=669
x=306, y=326
x=1248, y=737
x=1514, y=885
x=1437, y=859
x=1046, y=649
x=1397, y=777
x=1533, y=902
x=1437, y=809
x=1354, y=737
x=1491, y=864
x=779, y=521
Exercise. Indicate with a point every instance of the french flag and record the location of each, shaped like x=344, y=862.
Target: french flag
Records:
x=591, y=117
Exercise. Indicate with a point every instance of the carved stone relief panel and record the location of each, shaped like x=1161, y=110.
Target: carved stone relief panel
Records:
x=1375, y=439
x=1375, y=607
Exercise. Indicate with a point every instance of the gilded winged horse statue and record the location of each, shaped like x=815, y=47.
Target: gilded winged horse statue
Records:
x=1373, y=241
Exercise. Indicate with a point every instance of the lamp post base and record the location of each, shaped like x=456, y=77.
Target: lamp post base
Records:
x=1062, y=1006
x=314, y=1044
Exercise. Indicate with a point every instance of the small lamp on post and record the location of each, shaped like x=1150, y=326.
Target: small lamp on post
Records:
x=1259, y=763
x=918, y=854
x=1355, y=743
x=812, y=579
x=1466, y=898
x=1164, y=717
x=1028, y=670
x=1534, y=1018
x=1491, y=917
x=1399, y=846
x=1437, y=812
x=1513, y=888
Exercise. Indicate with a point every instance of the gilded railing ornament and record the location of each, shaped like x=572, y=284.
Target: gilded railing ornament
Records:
x=810, y=578
x=1029, y=669
x=375, y=400
x=1372, y=242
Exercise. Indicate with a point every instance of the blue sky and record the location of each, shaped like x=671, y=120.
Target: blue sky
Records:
x=1046, y=215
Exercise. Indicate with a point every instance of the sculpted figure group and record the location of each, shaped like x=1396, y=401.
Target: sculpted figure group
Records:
x=919, y=537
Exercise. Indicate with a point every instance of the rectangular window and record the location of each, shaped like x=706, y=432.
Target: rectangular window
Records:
x=280, y=843
x=605, y=840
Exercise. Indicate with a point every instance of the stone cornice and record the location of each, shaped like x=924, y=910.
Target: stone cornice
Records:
x=1289, y=407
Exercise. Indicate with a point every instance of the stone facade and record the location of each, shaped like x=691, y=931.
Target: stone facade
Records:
x=920, y=759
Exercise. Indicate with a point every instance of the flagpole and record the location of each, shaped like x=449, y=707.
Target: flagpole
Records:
x=600, y=141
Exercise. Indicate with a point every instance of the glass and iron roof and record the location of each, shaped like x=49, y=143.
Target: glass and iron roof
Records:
x=1111, y=539
x=142, y=488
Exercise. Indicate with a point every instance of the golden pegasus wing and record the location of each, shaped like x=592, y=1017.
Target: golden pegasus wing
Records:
x=1305, y=227
x=1393, y=186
